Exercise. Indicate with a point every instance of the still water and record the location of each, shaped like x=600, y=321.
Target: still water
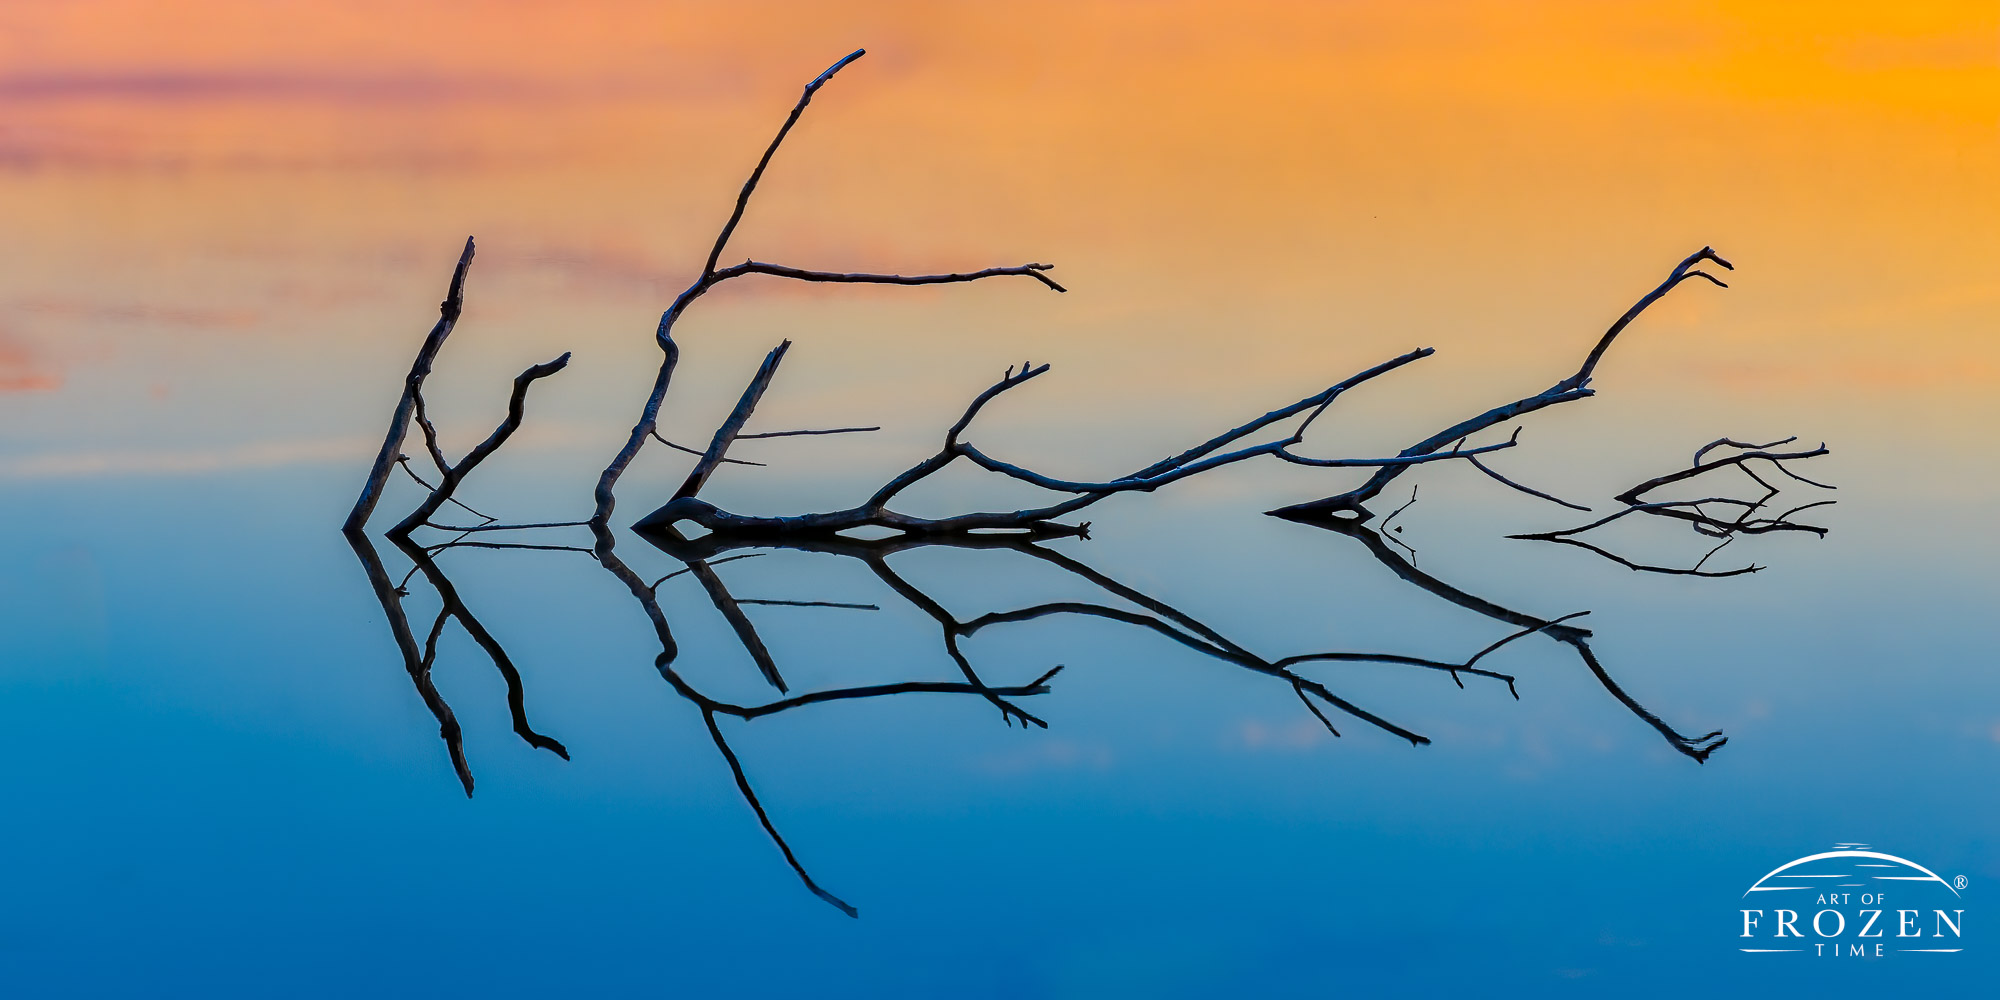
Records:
x=1200, y=752
x=225, y=782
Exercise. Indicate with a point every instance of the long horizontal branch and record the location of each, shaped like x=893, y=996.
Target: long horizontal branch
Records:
x=1035, y=271
x=875, y=512
x=1777, y=460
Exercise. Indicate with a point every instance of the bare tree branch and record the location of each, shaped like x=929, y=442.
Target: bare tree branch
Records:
x=1776, y=459
x=1529, y=490
x=875, y=512
x=399, y=423
x=726, y=434
x=453, y=475
x=1576, y=386
x=1745, y=520
x=697, y=452
x=1723, y=442
x=712, y=275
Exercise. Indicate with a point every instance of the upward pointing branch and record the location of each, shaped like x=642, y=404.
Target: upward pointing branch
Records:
x=399, y=424
x=712, y=275
x=725, y=435
x=1576, y=386
x=750, y=186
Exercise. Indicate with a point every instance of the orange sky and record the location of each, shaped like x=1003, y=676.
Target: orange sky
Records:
x=197, y=192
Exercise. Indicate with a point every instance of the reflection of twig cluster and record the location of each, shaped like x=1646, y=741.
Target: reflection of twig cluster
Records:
x=1737, y=518
x=1122, y=603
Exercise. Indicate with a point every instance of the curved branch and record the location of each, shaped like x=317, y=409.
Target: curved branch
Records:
x=1576, y=386
x=453, y=475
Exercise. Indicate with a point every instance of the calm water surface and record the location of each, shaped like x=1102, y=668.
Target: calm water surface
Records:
x=222, y=780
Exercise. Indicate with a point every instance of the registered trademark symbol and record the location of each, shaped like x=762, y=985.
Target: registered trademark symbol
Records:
x=1958, y=883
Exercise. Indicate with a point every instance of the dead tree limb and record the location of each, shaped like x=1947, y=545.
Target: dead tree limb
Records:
x=1038, y=521
x=399, y=423
x=1746, y=518
x=1576, y=386
x=1776, y=460
x=731, y=427
x=452, y=475
x=712, y=274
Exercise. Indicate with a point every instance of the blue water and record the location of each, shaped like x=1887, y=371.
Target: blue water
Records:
x=222, y=783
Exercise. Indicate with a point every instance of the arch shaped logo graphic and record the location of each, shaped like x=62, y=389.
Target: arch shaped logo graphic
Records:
x=1853, y=902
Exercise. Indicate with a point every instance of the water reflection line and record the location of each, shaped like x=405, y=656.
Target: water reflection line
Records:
x=1578, y=639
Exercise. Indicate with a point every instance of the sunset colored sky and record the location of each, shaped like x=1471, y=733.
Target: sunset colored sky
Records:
x=229, y=222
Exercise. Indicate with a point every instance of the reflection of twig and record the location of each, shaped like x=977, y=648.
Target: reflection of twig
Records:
x=414, y=661
x=746, y=633
x=1396, y=535
x=418, y=662
x=712, y=562
x=1698, y=747
x=808, y=604
x=648, y=598
x=764, y=818
x=1154, y=615
x=454, y=607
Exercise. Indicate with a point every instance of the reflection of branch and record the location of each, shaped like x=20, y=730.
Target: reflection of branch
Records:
x=648, y=598
x=419, y=662
x=739, y=622
x=1153, y=615
x=1698, y=747
x=712, y=275
x=764, y=818
x=1576, y=386
x=454, y=607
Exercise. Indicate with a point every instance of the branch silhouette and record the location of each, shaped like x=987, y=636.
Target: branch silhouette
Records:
x=712, y=275
x=1696, y=513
